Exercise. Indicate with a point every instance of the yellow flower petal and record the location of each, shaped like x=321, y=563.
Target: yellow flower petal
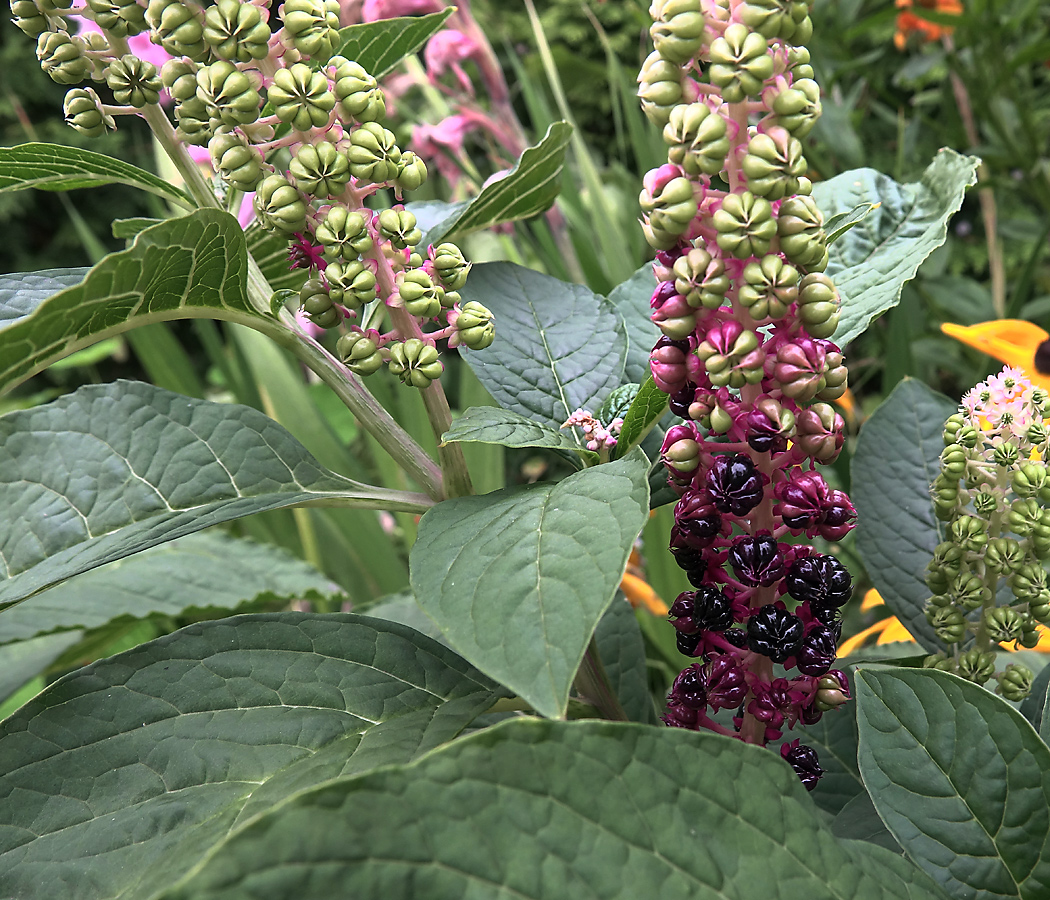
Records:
x=1011, y=341
x=640, y=593
x=871, y=599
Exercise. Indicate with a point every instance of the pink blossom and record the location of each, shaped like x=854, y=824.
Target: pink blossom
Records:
x=446, y=51
x=388, y=9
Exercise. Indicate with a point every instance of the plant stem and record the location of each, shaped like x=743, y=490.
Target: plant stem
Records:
x=593, y=685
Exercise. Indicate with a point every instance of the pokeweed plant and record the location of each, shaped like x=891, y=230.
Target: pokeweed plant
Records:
x=296, y=754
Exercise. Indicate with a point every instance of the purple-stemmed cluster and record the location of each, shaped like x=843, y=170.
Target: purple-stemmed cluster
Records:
x=747, y=314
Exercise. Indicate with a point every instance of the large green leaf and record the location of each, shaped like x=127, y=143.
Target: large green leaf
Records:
x=192, y=266
x=22, y=661
x=52, y=167
x=199, y=572
x=621, y=648
x=22, y=292
x=381, y=45
x=113, y=469
x=270, y=251
x=834, y=738
x=872, y=261
x=558, y=346
x=517, y=579
x=631, y=300
x=492, y=425
x=525, y=191
x=554, y=810
x=119, y=777
x=896, y=460
x=960, y=778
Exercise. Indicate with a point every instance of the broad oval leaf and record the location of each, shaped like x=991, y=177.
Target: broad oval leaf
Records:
x=22, y=661
x=960, y=778
x=192, y=266
x=872, y=261
x=492, y=425
x=379, y=46
x=631, y=300
x=198, y=573
x=52, y=167
x=521, y=193
x=621, y=649
x=896, y=460
x=119, y=777
x=517, y=579
x=23, y=292
x=109, y=470
x=555, y=810
x=558, y=346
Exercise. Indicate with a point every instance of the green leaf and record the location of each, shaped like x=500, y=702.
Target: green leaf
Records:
x=960, y=778
x=128, y=228
x=431, y=216
x=554, y=810
x=23, y=292
x=859, y=821
x=559, y=347
x=872, y=262
x=270, y=251
x=196, y=573
x=517, y=579
x=622, y=652
x=645, y=411
x=52, y=167
x=22, y=661
x=492, y=425
x=834, y=738
x=379, y=46
x=192, y=266
x=1033, y=707
x=839, y=224
x=110, y=470
x=896, y=460
x=631, y=300
x=119, y=777
x=525, y=191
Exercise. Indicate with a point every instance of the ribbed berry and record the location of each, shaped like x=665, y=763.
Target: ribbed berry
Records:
x=726, y=683
x=690, y=687
x=735, y=636
x=697, y=519
x=735, y=484
x=821, y=580
x=687, y=643
x=681, y=612
x=679, y=715
x=756, y=560
x=804, y=761
x=817, y=653
x=774, y=632
x=688, y=558
x=679, y=401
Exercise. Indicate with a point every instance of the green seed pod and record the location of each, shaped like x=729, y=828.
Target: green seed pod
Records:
x=419, y=295
x=279, y=207
x=238, y=164
x=952, y=427
x=770, y=287
x=1006, y=454
x=359, y=353
x=343, y=234
x=474, y=327
x=953, y=461
x=34, y=18
x=948, y=622
x=229, y=94
x=121, y=19
x=797, y=108
x=320, y=169
x=359, y=95
x=177, y=29
x=701, y=279
x=179, y=76
x=740, y=63
x=819, y=305
x=1003, y=625
x=83, y=111
x=835, y=375
x=976, y=666
x=133, y=81
x=775, y=18
x=195, y=122
x=773, y=163
x=317, y=304
x=1028, y=583
x=415, y=363
x=312, y=26
x=236, y=31
x=62, y=57
x=300, y=96
x=697, y=138
x=1004, y=555
x=742, y=364
x=970, y=533
x=399, y=227
x=659, y=88
x=672, y=210
x=968, y=591
x=1015, y=682
x=450, y=266
x=940, y=662
x=351, y=283
x=678, y=36
x=1024, y=516
x=800, y=226
x=374, y=154
x=745, y=225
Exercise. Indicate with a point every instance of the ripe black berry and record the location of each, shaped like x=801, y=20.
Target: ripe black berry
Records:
x=774, y=632
x=819, y=579
x=756, y=560
x=735, y=484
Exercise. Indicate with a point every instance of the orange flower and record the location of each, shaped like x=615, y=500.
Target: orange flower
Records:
x=909, y=23
x=637, y=590
x=1015, y=342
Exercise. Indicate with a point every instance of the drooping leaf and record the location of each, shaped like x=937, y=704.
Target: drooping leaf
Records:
x=553, y=810
x=839, y=224
x=128, y=228
x=23, y=292
x=961, y=780
x=525, y=191
x=109, y=470
x=192, y=266
x=199, y=572
x=645, y=411
x=564, y=346
x=622, y=651
x=381, y=45
x=631, y=300
x=119, y=777
x=52, y=167
x=896, y=460
x=22, y=661
x=492, y=425
x=517, y=579
x=871, y=262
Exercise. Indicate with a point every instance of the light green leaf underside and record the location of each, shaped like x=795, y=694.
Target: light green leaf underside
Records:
x=492, y=425
x=52, y=167
x=119, y=777
x=199, y=572
x=110, y=470
x=23, y=292
x=517, y=579
x=872, y=261
x=960, y=778
x=534, y=809
x=381, y=45
x=631, y=300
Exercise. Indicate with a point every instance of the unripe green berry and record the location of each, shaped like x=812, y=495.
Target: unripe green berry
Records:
x=62, y=57
x=953, y=461
x=1003, y=625
x=351, y=283
x=800, y=226
x=228, y=93
x=399, y=227
x=317, y=304
x=975, y=666
x=279, y=206
x=34, y=19
x=697, y=138
x=968, y=592
x=1006, y=454
x=680, y=35
x=777, y=18
x=179, y=76
x=121, y=18
x=659, y=88
x=797, y=108
x=1024, y=516
x=238, y=164
x=177, y=28
x=373, y=153
x=419, y=295
x=320, y=169
x=1003, y=555
x=1015, y=682
x=83, y=111
x=133, y=81
x=701, y=279
x=969, y=532
x=450, y=266
x=358, y=93
x=773, y=163
x=819, y=305
x=770, y=287
x=236, y=31
x=312, y=26
x=740, y=63
x=948, y=622
x=1028, y=583
x=411, y=172
x=300, y=97
x=343, y=234
x=745, y=225
x=359, y=353
x=952, y=427
x=474, y=327
x=940, y=662
x=415, y=363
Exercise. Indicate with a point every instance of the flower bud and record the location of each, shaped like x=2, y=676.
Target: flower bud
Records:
x=745, y=225
x=300, y=97
x=415, y=363
x=359, y=353
x=740, y=63
x=83, y=111
x=312, y=26
x=236, y=31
